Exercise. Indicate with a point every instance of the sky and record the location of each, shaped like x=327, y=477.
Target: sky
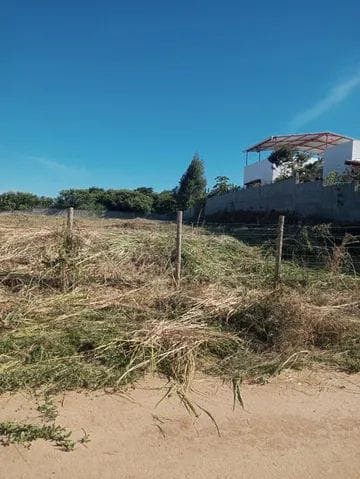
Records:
x=121, y=94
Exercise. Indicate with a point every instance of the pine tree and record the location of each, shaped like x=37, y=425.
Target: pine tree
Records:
x=192, y=187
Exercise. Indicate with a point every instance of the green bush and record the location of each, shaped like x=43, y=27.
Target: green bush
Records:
x=15, y=200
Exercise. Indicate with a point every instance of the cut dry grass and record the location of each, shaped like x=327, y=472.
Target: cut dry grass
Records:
x=104, y=310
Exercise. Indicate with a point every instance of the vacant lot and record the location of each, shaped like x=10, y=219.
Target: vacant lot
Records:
x=99, y=309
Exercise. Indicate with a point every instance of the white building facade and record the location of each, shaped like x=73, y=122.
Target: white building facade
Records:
x=341, y=158
x=263, y=172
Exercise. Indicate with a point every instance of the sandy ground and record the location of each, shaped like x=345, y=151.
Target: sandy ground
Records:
x=301, y=425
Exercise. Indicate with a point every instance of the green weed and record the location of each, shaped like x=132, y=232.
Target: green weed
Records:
x=25, y=434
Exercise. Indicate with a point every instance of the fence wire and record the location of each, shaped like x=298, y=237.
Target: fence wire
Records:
x=326, y=247
x=321, y=246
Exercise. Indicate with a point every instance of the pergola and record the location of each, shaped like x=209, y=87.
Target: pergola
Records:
x=315, y=143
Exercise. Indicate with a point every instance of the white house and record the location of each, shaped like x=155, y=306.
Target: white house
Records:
x=260, y=173
x=338, y=151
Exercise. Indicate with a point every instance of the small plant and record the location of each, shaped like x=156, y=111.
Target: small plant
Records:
x=85, y=439
x=48, y=410
x=335, y=178
x=331, y=179
x=340, y=258
x=20, y=433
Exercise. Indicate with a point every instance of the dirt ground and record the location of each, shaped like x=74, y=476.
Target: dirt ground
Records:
x=300, y=425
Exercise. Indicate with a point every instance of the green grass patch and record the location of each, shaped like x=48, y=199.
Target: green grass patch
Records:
x=21, y=433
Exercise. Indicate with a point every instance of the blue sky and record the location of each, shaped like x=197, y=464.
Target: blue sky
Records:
x=121, y=94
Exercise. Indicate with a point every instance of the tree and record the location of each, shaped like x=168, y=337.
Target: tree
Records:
x=289, y=162
x=222, y=186
x=352, y=174
x=311, y=171
x=17, y=200
x=145, y=190
x=165, y=202
x=336, y=178
x=281, y=156
x=192, y=187
x=128, y=200
x=142, y=200
x=89, y=198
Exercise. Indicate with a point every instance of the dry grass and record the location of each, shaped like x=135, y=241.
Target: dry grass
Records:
x=103, y=309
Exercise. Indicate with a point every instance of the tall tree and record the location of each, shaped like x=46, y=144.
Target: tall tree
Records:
x=192, y=187
x=222, y=186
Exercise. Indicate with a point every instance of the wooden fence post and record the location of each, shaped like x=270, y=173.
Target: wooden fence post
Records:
x=179, y=221
x=70, y=221
x=279, y=248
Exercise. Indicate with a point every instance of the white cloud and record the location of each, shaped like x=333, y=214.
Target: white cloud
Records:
x=56, y=165
x=335, y=96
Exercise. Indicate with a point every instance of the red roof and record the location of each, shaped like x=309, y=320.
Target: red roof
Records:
x=310, y=142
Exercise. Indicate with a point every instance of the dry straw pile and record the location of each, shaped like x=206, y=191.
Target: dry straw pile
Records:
x=101, y=308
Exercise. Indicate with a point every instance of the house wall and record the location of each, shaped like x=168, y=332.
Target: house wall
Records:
x=262, y=170
x=334, y=203
x=356, y=150
x=335, y=157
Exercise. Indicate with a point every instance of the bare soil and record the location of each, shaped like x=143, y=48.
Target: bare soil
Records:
x=300, y=425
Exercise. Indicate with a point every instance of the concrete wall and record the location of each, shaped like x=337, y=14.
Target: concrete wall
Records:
x=334, y=203
x=262, y=170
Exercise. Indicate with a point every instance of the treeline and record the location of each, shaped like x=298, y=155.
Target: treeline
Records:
x=142, y=200
x=190, y=192
x=23, y=201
